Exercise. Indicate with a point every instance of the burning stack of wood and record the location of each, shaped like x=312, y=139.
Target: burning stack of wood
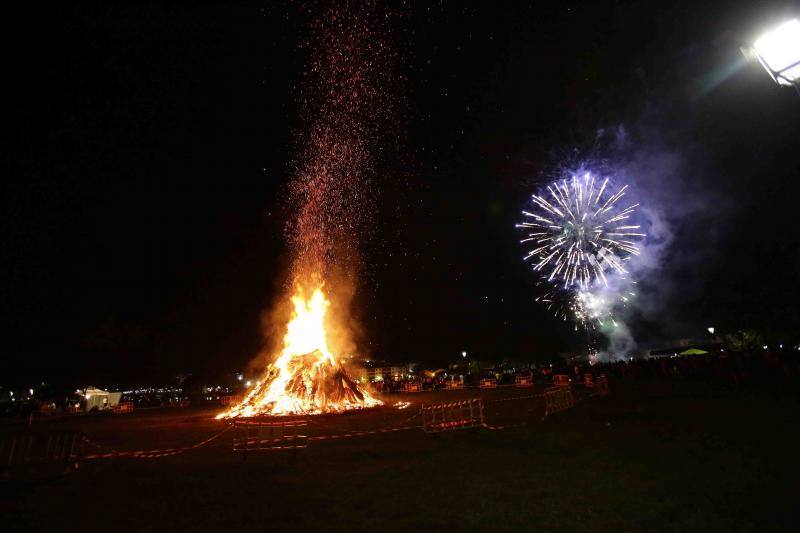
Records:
x=324, y=381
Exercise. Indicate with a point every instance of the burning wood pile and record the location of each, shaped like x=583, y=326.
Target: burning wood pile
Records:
x=306, y=378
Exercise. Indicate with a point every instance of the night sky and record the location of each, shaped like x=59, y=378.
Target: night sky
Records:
x=148, y=153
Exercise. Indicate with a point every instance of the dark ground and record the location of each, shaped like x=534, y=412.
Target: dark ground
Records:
x=652, y=456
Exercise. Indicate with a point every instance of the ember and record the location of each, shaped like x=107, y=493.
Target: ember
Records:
x=346, y=108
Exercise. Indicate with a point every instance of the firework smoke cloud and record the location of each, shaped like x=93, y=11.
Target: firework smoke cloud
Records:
x=609, y=272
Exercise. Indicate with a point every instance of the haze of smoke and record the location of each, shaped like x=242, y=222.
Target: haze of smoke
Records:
x=677, y=214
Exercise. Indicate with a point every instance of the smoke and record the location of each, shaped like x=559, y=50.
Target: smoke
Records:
x=665, y=171
x=620, y=343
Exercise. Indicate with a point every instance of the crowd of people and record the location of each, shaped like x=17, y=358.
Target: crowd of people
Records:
x=736, y=368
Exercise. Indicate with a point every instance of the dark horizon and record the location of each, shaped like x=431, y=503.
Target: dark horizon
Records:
x=144, y=201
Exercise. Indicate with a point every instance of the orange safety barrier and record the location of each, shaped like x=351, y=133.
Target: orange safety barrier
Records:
x=231, y=399
x=523, y=380
x=412, y=386
x=452, y=416
x=47, y=409
x=54, y=448
x=453, y=384
x=256, y=435
x=488, y=383
x=123, y=407
x=557, y=399
x=588, y=381
x=561, y=380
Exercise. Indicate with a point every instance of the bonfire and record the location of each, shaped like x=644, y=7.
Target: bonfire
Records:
x=305, y=378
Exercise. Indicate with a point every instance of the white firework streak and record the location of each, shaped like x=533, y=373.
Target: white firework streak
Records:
x=580, y=235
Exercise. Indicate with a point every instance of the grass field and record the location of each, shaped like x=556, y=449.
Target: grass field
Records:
x=652, y=456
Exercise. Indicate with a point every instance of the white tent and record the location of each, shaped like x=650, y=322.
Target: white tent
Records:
x=99, y=399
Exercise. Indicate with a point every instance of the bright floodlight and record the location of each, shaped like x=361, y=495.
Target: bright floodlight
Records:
x=779, y=51
x=711, y=330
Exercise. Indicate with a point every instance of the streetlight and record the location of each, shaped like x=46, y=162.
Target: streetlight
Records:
x=778, y=51
x=463, y=354
x=711, y=330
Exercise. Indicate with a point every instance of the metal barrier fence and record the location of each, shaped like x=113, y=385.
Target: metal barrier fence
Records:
x=54, y=448
x=256, y=435
x=231, y=399
x=123, y=407
x=488, y=383
x=561, y=379
x=557, y=399
x=523, y=381
x=453, y=415
x=412, y=386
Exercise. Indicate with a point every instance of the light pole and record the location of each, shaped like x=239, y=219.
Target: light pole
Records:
x=711, y=330
x=778, y=51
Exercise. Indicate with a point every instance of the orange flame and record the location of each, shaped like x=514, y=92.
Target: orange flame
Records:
x=306, y=378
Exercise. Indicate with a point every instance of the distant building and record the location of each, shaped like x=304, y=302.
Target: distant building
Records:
x=372, y=371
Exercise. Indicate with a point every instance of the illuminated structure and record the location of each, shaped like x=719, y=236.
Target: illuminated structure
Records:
x=778, y=51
